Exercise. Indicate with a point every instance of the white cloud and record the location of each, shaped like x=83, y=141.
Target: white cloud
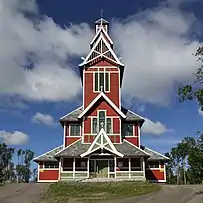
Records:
x=156, y=128
x=45, y=119
x=200, y=112
x=157, y=52
x=41, y=44
x=154, y=46
x=14, y=138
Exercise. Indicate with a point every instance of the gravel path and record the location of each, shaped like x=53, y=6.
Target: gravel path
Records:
x=30, y=193
x=22, y=192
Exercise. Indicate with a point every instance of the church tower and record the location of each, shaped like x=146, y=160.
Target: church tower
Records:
x=101, y=70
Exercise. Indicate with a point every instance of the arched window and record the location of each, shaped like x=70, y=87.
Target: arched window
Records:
x=102, y=119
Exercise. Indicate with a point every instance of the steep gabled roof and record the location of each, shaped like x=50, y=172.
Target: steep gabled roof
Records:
x=101, y=48
x=101, y=21
x=131, y=116
x=73, y=115
x=48, y=156
x=154, y=156
x=107, y=99
x=101, y=29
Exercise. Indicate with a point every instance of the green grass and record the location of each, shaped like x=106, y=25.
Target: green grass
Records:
x=93, y=192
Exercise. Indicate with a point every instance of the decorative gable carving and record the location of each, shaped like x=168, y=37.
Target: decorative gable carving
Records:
x=102, y=141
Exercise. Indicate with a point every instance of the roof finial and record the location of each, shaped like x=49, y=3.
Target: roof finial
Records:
x=101, y=13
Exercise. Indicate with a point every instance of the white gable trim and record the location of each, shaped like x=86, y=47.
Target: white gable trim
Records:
x=68, y=146
x=109, y=49
x=136, y=114
x=100, y=30
x=108, y=100
x=136, y=147
x=158, y=153
x=47, y=152
x=70, y=112
x=101, y=145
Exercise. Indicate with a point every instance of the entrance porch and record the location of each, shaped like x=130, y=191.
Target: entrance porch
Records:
x=102, y=167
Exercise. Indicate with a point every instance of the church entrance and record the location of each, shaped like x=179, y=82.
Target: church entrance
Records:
x=102, y=168
x=99, y=168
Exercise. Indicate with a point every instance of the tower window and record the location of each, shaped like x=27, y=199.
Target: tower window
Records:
x=102, y=82
x=75, y=130
x=128, y=130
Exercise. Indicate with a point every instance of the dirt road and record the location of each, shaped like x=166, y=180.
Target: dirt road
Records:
x=22, y=192
x=30, y=193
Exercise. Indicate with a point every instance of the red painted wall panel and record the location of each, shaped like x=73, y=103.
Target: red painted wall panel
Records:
x=115, y=138
x=87, y=126
x=70, y=140
x=154, y=175
x=89, y=95
x=102, y=105
x=133, y=140
x=116, y=125
x=49, y=175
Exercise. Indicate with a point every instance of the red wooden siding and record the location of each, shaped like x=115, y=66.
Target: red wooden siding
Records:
x=116, y=125
x=113, y=95
x=48, y=175
x=87, y=126
x=101, y=104
x=88, y=94
x=154, y=175
x=133, y=140
x=136, y=129
x=70, y=140
x=115, y=138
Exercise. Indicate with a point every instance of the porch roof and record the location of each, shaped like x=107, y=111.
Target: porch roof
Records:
x=73, y=150
x=48, y=156
x=154, y=156
x=77, y=148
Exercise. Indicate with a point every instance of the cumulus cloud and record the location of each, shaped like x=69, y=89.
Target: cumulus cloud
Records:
x=45, y=119
x=13, y=138
x=156, y=128
x=158, y=52
x=200, y=112
x=35, y=54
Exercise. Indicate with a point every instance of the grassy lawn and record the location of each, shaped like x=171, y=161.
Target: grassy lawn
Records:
x=95, y=192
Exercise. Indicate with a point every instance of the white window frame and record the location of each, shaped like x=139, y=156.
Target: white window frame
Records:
x=133, y=135
x=69, y=134
x=104, y=88
x=49, y=165
x=105, y=127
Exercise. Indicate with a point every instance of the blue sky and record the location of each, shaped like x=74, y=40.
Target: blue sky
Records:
x=156, y=40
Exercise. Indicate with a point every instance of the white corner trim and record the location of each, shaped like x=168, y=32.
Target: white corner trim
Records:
x=102, y=135
x=68, y=146
x=70, y=112
x=107, y=99
x=47, y=152
x=135, y=146
x=158, y=153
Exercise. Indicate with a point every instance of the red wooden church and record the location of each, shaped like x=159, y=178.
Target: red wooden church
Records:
x=101, y=138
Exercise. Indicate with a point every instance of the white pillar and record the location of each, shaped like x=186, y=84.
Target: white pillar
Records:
x=73, y=167
x=129, y=165
x=143, y=166
x=115, y=160
x=88, y=167
x=59, y=169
